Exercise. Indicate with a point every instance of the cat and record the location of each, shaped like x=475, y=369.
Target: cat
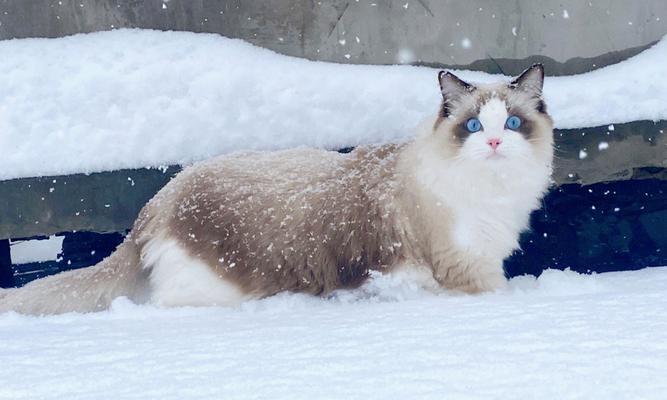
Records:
x=250, y=225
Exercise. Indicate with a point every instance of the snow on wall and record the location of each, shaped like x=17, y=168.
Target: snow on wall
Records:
x=137, y=98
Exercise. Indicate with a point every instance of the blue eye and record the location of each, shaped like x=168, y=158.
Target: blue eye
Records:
x=473, y=125
x=513, y=122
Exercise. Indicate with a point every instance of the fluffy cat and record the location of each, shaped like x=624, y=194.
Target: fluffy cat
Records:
x=251, y=225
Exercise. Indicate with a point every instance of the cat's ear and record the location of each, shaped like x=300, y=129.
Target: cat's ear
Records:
x=530, y=81
x=452, y=88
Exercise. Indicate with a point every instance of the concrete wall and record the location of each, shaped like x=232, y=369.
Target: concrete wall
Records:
x=569, y=36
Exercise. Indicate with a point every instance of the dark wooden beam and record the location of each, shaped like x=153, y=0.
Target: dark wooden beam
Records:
x=100, y=202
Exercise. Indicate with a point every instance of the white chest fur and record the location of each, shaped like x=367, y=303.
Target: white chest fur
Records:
x=488, y=208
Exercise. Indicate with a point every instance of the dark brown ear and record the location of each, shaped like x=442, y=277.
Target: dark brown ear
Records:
x=530, y=81
x=452, y=88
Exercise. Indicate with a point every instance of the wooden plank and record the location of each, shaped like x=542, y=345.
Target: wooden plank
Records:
x=100, y=202
x=634, y=150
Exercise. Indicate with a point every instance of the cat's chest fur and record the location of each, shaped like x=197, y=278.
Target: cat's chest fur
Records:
x=486, y=224
x=481, y=212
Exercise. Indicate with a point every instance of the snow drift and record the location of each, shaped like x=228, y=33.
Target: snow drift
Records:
x=138, y=98
x=562, y=336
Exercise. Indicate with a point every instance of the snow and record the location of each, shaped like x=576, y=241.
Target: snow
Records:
x=38, y=250
x=562, y=336
x=138, y=98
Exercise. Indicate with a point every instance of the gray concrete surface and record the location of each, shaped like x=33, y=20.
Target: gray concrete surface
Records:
x=569, y=36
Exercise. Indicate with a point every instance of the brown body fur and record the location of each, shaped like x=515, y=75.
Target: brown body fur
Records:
x=302, y=220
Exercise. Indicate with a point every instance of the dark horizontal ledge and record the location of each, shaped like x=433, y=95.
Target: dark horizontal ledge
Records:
x=110, y=201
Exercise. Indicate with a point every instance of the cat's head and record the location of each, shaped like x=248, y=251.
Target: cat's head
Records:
x=495, y=124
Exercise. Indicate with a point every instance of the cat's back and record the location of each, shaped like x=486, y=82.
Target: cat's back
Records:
x=300, y=172
x=280, y=171
x=230, y=178
x=272, y=221
x=296, y=189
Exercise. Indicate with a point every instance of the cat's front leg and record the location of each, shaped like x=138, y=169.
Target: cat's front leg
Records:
x=471, y=275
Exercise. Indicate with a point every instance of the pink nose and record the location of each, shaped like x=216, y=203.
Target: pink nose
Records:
x=494, y=142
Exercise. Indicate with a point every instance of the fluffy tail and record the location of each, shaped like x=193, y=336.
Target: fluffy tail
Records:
x=84, y=290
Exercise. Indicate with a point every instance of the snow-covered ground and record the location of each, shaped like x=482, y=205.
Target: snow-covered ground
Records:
x=563, y=336
x=133, y=98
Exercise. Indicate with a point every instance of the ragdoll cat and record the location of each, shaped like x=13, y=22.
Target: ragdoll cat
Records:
x=251, y=225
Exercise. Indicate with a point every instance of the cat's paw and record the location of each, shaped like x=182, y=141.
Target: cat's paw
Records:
x=478, y=286
x=473, y=281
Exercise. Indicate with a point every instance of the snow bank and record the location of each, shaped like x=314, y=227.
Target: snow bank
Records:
x=136, y=98
x=562, y=336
